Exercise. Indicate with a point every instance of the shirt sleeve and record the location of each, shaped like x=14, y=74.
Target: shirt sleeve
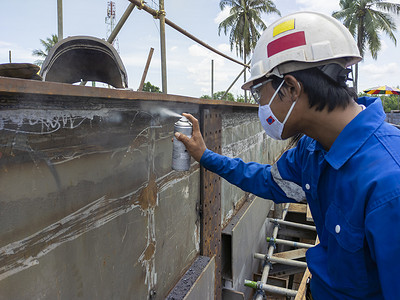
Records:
x=262, y=180
x=382, y=233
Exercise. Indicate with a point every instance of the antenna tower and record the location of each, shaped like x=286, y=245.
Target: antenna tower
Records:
x=110, y=21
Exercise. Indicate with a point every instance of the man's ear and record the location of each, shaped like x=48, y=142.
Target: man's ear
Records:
x=293, y=87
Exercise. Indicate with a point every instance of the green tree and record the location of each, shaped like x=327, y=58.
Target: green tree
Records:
x=389, y=102
x=244, y=22
x=48, y=44
x=220, y=96
x=148, y=87
x=365, y=19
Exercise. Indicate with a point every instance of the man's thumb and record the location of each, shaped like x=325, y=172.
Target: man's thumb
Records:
x=180, y=137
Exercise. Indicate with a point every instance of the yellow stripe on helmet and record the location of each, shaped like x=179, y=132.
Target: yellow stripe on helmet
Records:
x=283, y=27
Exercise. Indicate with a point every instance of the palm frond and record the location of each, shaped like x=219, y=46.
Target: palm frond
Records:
x=47, y=44
x=244, y=23
x=389, y=7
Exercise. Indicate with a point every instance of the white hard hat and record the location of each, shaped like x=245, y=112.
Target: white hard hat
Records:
x=300, y=41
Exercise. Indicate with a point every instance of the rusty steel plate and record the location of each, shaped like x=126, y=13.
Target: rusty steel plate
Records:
x=211, y=125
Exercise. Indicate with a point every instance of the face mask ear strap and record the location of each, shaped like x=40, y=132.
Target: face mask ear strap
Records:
x=276, y=92
x=289, y=112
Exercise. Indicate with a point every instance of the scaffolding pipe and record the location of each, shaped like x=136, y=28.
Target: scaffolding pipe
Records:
x=120, y=23
x=289, y=243
x=146, y=68
x=161, y=16
x=236, y=79
x=141, y=5
x=270, y=288
x=283, y=261
x=293, y=224
x=271, y=249
x=212, y=79
x=60, y=20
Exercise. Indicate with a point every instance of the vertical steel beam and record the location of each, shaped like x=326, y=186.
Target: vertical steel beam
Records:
x=60, y=19
x=211, y=124
x=163, y=47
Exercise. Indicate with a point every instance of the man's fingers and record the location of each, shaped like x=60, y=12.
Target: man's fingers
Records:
x=181, y=137
x=193, y=120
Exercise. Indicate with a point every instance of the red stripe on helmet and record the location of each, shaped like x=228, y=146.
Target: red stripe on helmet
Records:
x=286, y=42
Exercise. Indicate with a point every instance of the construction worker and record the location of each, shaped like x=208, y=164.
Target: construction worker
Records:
x=347, y=164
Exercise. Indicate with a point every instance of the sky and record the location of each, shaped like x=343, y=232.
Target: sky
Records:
x=24, y=23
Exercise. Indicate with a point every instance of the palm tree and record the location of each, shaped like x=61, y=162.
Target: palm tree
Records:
x=244, y=22
x=48, y=44
x=366, y=19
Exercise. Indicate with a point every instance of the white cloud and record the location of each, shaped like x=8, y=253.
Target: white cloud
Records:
x=384, y=46
x=225, y=48
x=137, y=59
x=375, y=74
x=222, y=15
x=377, y=71
x=19, y=54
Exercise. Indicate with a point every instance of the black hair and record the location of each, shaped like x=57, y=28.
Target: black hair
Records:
x=321, y=89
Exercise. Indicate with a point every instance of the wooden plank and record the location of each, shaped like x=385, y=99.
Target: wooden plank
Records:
x=291, y=254
x=301, y=292
x=298, y=208
x=279, y=282
x=228, y=294
x=309, y=215
x=295, y=233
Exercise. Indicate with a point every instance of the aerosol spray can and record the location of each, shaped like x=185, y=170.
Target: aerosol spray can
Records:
x=180, y=156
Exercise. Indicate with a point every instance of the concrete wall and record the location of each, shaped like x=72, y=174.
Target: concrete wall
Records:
x=89, y=205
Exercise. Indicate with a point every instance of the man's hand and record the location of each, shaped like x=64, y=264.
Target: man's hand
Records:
x=194, y=145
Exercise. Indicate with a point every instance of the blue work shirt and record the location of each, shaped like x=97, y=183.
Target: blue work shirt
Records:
x=353, y=191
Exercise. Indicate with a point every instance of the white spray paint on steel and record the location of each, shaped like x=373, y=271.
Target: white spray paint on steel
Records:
x=20, y=255
x=50, y=121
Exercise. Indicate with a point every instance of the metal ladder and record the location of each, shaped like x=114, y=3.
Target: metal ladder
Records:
x=288, y=259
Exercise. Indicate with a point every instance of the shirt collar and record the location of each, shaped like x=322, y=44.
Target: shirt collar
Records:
x=354, y=135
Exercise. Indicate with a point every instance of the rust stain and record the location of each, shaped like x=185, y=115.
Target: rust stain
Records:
x=149, y=252
x=148, y=196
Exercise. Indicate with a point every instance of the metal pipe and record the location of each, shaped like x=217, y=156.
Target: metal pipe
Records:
x=121, y=23
x=146, y=68
x=270, y=288
x=271, y=249
x=293, y=224
x=289, y=243
x=141, y=5
x=60, y=20
x=283, y=261
x=161, y=15
x=236, y=79
x=212, y=79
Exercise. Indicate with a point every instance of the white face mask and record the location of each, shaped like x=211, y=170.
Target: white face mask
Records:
x=272, y=126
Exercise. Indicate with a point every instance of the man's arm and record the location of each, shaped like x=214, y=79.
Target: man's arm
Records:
x=382, y=232
x=260, y=179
